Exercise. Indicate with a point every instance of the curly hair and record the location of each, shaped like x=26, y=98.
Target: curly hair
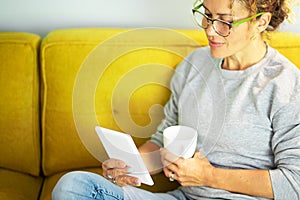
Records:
x=280, y=10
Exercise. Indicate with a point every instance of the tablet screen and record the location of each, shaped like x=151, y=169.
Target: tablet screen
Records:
x=122, y=147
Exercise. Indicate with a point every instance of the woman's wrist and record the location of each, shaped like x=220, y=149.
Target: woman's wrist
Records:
x=151, y=156
x=211, y=175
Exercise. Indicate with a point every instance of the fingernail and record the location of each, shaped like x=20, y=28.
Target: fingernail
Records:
x=138, y=183
x=130, y=170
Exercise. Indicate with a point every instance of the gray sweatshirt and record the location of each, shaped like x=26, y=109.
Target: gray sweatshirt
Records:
x=246, y=119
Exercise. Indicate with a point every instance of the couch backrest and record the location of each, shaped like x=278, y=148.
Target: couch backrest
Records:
x=19, y=102
x=87, y=77
x=286, y=43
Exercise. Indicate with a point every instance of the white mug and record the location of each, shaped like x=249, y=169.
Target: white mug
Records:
x=180, y=140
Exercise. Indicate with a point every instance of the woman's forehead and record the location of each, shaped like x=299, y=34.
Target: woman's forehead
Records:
x=226, y=7
x=226, y=4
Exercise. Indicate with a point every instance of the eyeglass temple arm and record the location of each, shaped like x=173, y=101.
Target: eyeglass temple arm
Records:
x=247, y=19
x=197, y=7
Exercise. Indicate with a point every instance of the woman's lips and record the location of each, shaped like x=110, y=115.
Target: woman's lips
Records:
x=215, y=44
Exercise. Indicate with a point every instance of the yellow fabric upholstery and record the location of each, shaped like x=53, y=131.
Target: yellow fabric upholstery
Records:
x=286, y=43
x=19, y=103
x=116, y=78
x=19, y=186
x=64, y=52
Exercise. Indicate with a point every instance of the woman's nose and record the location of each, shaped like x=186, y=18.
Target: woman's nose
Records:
x=210, y=30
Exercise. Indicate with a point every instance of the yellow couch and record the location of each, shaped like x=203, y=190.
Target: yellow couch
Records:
x=56, y=89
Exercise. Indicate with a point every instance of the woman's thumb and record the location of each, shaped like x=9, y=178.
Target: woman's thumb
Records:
x=199, y=155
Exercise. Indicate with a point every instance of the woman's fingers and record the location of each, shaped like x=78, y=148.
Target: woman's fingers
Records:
x=170, y=174
x=199, y=155
x=114, y=172
x=112, y=168
x=123, y=180
x=113, y=163
x=168, y=157
x=117, y=172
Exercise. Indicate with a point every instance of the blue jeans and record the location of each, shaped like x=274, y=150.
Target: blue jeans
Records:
x=80, y=185
x=85, y=185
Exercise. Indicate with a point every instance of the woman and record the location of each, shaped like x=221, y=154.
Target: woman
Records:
x=243, y=98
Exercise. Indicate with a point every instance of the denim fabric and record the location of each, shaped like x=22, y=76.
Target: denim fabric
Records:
x=133, y=193
x=80, y=185
x=85, y=185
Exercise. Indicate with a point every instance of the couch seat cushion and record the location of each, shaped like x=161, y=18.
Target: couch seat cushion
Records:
x=19, y=186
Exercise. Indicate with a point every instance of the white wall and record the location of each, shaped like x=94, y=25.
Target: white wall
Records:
x=42, y=16
x=295, y=26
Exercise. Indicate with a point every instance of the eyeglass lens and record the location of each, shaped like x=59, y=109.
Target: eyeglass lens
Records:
x=219, y=26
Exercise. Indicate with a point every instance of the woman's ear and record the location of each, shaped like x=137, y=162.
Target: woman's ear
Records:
x=264, y=21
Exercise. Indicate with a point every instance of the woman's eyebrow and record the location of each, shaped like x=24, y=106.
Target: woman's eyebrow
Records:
x=220, y=14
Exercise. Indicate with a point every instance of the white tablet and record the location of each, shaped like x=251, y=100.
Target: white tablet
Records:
x=122, y=147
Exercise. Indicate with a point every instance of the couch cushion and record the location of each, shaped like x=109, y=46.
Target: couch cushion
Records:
x=84, y=69
x=51, y=181
x=286, y=43
x=19, y=186
x=19, y=102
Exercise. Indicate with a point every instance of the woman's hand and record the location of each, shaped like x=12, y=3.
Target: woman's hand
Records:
x=196, y=171
x=117, y=172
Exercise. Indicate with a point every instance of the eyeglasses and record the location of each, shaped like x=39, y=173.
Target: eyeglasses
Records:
x=221, y=27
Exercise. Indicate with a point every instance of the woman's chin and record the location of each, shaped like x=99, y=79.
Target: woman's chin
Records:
x=217, y=54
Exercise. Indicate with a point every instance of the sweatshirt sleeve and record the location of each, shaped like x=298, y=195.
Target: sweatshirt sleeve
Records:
x=171, y=108
x=285, y=177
